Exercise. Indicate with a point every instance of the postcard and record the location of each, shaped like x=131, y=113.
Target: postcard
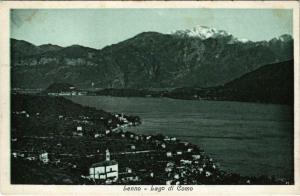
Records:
x=149, y=97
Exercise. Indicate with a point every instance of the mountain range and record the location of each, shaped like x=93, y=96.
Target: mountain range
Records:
x=198, y=57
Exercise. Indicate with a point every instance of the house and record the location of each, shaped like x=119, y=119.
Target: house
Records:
x=169, y=167
x=30, y=158
x=98, y=135
x=169, y=154
x=14, y=154
x=44, y=157
x=207, y=173
x=196, y=156
x=167, y=138
x=183, y=161
x=79, y=131
x=132, y=147
x=200, y=170
x=128, y=170
x=128, y=175
x=169, y=182
x=151, y=174
x=106, y=170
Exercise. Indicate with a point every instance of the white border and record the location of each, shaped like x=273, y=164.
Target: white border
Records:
x=7, y=188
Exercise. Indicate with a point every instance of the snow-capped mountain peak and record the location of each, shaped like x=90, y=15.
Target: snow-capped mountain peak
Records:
x=202, y=32
x=243, y=40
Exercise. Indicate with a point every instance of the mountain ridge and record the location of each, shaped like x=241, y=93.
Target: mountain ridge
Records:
x=147, y=60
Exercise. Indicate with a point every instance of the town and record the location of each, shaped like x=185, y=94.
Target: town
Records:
x=59, y=142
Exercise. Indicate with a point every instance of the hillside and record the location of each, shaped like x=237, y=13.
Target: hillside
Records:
x=37, y=115
x=203, y=57
x=273, y=83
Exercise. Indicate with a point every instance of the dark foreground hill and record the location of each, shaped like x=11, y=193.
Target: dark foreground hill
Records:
x=273, y=83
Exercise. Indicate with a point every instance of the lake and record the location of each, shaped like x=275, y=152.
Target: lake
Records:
x=246, y=138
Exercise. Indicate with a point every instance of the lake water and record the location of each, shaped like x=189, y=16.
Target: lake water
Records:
x=246, y=138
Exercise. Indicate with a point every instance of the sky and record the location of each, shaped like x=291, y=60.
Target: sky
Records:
x=98, y=28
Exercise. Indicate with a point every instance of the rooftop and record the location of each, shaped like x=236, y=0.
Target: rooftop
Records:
x=105, y=163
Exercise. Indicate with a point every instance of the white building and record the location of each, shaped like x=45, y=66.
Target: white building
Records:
x=132, y=147
x=196, y=156
x=105, y=170
x=44, y=157
x=169, y=154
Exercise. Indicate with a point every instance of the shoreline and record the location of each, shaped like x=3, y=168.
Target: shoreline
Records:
x=180, y=155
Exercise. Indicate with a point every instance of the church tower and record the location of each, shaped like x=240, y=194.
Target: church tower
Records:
x=107, y=155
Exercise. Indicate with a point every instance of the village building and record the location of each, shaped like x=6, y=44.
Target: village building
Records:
x=79, y=131
x=30, y=157
x=106, y=170
x=207, y=174
x=44, y=157
x=128, y=170
x=132, y=147
x=98, y=135
x=196, y=156
x=151, y=174
x=128, y=176
x=169, y=154
x=14, y=154
x=169, y=167
x=169, y=182
x=183, y=161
